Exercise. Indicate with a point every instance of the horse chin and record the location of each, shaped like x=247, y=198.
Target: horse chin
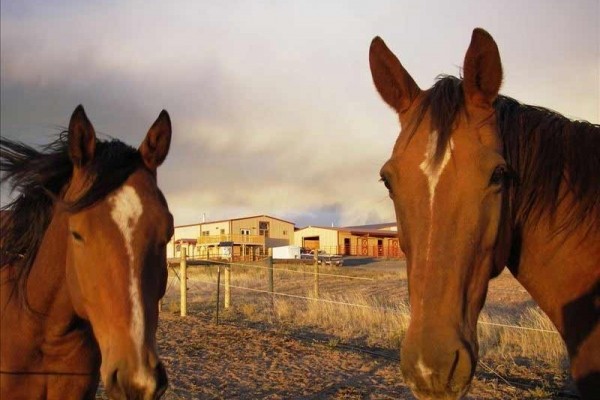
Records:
x=452, y=395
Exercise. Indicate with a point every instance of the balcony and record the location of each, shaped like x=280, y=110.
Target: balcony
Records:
x=236, y=239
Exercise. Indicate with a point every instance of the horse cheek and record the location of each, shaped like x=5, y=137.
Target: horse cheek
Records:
x=74, y=287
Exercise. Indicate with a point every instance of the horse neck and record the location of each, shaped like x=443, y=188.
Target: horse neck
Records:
x=46, y=288
x=557, y=266
x=48, y=335
x=555, y=206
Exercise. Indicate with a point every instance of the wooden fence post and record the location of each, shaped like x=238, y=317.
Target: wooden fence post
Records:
x=270, y=273
x=316, y=271
x=227, y=302
x=183, y=281
x=218, y=291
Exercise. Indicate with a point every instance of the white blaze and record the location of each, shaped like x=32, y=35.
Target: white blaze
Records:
x=430, y=168
x=433, y=170
x=126, y=211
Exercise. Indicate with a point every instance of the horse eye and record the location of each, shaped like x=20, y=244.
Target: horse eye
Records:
x=498, y=176
x=77, y=236
x=386, y=183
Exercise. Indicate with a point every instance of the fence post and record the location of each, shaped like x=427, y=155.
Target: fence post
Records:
x=270, y=273
x=161, y=299
x=183, y=281
x=227, y=301
x=316, y=270
x=218, y=291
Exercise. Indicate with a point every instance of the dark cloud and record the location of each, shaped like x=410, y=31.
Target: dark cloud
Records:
x=327, y=215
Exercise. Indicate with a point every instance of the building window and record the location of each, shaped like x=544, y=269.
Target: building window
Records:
x=245, y=231
x=222, y=231
x=284, y=232
x=263, y=228
x=205, y=233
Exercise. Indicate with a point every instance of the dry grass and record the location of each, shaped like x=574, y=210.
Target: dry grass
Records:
x=379, y=315
x=535, y=344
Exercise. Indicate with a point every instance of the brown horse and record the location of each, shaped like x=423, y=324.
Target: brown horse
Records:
x=83, y=266
x=480, y=182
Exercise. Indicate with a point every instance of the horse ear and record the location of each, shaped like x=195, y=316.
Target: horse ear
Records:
x=394, y=84
x=482, y=70
x=156, y=145
x=82, y=138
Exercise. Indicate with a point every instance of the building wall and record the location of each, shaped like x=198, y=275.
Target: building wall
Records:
x=182, y=232
x=328, y=238
x=278, y=229
x=215, y=228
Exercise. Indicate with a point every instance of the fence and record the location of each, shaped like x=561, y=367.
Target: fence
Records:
x=224, y=268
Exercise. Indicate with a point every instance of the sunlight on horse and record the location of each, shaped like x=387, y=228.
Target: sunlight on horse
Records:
x=480, y=182
x=83, y=266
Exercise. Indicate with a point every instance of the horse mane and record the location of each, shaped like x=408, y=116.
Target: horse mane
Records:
x=542, y=147
x=40, y=176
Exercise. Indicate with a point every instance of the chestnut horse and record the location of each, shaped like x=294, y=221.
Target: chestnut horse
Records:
x=480, y=182
x=83, y=266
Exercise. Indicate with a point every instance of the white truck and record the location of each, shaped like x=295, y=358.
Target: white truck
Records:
x=286, y=252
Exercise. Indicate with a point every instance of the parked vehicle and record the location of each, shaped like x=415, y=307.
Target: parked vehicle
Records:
x=323, y=257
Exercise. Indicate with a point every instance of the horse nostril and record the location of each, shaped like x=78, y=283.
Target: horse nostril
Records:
x=160, y=373
x=461, y=369
x=113, y=384
x=114, y=378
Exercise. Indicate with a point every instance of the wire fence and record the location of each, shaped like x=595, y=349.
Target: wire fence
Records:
x=227, y=286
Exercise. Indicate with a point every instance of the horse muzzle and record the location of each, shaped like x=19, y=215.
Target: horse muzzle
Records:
x=142, y=384
x=438, y=372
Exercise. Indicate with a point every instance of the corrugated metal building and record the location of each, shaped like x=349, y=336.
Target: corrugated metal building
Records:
x=238, y=238
x=378, y=240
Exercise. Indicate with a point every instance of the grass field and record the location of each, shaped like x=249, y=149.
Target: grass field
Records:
x=370, y=313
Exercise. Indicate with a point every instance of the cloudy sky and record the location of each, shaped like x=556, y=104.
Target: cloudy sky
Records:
x=272, y=102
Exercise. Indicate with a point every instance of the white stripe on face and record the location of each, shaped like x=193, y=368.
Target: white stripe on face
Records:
x=430, y=168
x=423, y=369
x=433, y=171
x=126, y=211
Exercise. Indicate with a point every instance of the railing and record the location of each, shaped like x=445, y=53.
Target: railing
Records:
x=236, y=238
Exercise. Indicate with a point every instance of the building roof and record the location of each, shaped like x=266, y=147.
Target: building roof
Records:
x=235, y=219
x=356, y=230
x=188, y=241
x=374, y=226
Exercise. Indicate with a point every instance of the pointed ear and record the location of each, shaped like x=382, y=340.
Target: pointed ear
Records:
x=82, y=138
x=394, y=84
x=482, y=70
x=155, y=147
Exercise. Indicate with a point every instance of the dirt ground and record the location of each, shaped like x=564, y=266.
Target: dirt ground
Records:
x=209, y=361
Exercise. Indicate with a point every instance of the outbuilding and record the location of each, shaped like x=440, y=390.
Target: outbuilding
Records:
x=378, y=240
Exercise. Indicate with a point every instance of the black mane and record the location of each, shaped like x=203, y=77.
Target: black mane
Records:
x=543, y=148
x=39, y=177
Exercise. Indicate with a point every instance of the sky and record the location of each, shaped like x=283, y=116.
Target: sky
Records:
x=272, y=102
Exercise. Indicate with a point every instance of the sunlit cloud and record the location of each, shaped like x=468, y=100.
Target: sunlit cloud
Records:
x=272, y=104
